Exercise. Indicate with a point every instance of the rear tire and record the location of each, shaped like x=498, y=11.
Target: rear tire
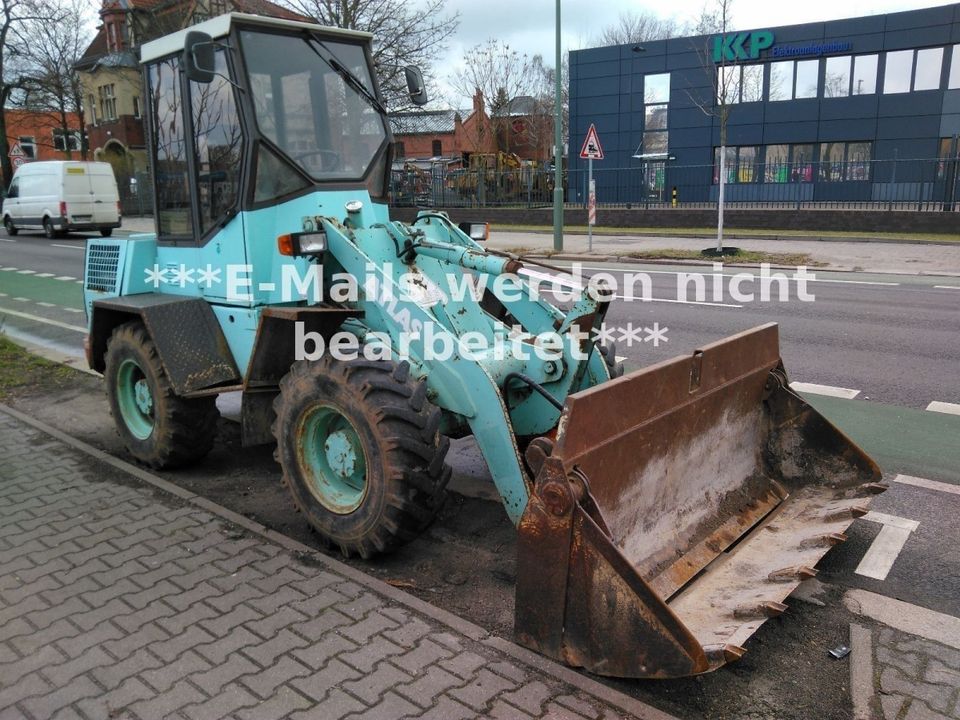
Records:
x=49, y=230
x=10, y=227
x=106, y=232
x=158, y=427
x=361, y=452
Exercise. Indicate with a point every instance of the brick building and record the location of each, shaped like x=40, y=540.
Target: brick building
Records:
x=444, y=133
x=39, y=135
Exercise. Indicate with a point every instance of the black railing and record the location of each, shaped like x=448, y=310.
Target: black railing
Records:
x=921, y=185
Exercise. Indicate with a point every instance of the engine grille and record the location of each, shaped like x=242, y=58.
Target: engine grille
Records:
x=102, y=264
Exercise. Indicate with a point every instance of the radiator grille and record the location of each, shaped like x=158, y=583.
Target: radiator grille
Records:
x=102, y=262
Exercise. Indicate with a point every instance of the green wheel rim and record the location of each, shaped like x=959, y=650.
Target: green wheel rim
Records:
x=331, y=456
x=135, y=399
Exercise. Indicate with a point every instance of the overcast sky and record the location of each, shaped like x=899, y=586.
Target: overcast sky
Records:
x=529, y=26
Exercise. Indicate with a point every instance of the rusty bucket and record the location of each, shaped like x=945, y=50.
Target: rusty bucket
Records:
x=677, y=509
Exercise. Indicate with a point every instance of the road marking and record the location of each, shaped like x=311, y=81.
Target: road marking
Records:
x=26, y=272
x=946, y=287
x=44, y=275
x=22, y=299
x=46, y=321
x=944, y=407
x=927, y=484
x=886, y=546
x=7, y=240
x=912, y=619
x=64, y=277
x=68, y=247
x=73, y=310
x=828, y=390
x=9, y=269
x=45, y=304
x=704, y=271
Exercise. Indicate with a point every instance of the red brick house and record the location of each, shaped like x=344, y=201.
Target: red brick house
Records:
x=39, y=135
x=443, y=133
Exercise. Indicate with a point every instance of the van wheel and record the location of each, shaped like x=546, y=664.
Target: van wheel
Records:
x=10, y=227
x=48, y=229
x=106, y=232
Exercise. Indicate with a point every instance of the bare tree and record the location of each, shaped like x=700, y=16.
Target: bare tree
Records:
x=404, y=34
x=502, y=75
x=727, y=83
x=14, y=67
x=50, y=51
x=638, y=27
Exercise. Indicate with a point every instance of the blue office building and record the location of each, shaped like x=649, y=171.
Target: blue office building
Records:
x=858, y=110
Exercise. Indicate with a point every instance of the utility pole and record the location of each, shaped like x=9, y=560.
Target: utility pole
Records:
x=557, y=150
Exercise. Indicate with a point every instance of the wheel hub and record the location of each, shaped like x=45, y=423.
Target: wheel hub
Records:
x=135, y=400
x=332, y=460
x=143, y=397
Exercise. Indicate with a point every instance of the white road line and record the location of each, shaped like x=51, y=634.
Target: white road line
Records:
x=912, y=619
x=8, y=269
x=65, y=277
x=927, y=484
x=68, y=247
x=946, y=287
x=46, y=321
x=829, y=390
x=72, y=310
x=886, y=546
x=708, y=271
x=45, y=304
x=22, y=299
x=44, y=275
x=26, y=272
x=6, y=240
x=944, y=407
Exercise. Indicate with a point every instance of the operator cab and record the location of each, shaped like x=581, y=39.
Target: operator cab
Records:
x=248, y=111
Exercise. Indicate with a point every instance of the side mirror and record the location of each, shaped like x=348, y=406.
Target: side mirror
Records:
x=415, y=85
x=198, y=62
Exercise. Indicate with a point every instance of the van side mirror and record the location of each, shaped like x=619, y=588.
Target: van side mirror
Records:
x=415, y=85
x=198, y=59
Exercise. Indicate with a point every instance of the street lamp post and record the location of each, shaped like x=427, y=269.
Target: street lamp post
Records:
x=557, y=151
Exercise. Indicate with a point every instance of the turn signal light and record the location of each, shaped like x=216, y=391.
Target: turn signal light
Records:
x=302, y=243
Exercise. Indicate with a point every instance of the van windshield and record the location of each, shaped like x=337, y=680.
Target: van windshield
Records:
x=312, y=112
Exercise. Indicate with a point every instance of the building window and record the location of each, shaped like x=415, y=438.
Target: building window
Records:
x=953, y=83
x=739, y=83
x=656, y=96
x=836, y=81
x=740, y=165
x=436, y=148
x=656, y=88
x=864, y=75
x=63, y=141
x=844, y=162
x=399, y=151
x=896, y=77
x=929, y=66
x=28, y=143
x=949, y=155
x=136, y=106
x=781, y=80
x=808, y=79
x=788, y=163
x=92, y=109
x=751, y=83
x=108, y=102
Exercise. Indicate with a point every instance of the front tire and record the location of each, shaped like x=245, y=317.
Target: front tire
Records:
x=10, y=227
x=158, y=427
x=106, y=232
x=361, y=452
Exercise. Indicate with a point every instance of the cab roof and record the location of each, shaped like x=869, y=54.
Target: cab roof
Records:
x=219, y=27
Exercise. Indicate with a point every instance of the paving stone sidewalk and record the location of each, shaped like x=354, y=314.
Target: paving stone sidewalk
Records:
x=118, y=600
x=917, y=679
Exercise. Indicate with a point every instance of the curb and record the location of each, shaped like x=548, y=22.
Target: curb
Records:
x=599, y=691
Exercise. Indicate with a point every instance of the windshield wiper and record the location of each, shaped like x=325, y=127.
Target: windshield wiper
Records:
x=334, y=63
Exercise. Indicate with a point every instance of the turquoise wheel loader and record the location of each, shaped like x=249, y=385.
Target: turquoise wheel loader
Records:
x=662, y=515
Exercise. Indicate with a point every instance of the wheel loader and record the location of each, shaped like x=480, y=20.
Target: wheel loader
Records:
x=662, y=515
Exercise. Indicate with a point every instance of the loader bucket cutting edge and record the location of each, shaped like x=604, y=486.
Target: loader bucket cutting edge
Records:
x=677, y=509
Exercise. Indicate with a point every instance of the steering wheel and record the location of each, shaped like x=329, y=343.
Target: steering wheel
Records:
x=329, y=159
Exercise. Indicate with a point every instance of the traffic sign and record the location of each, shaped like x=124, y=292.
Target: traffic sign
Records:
x=17, y=151
x=591, y=149
x=18, y=161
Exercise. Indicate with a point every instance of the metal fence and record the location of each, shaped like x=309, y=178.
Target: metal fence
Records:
x=919, y=184
x=136, y=194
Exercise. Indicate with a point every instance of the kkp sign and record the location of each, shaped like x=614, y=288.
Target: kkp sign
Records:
x=741, y=46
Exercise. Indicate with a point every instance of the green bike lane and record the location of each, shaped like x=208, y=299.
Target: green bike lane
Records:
x=902, y=440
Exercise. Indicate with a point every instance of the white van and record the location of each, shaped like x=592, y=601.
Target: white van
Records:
x=62, y=195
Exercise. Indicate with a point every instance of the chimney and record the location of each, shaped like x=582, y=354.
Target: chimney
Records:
x=478, y=101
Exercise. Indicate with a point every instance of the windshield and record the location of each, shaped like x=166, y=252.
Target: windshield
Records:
x=308, y=109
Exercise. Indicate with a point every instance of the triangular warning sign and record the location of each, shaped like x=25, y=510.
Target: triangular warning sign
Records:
x=17, y=151
x=591, y=149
